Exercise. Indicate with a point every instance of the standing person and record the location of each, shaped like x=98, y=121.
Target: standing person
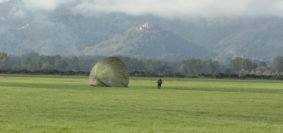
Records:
x=159, y=83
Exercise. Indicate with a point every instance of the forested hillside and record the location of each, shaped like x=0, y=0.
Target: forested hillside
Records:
x=64, y=32
x=148, y=41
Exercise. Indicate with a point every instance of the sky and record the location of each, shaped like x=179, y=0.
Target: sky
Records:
x=163, y=8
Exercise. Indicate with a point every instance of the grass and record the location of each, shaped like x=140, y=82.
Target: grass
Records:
x=62, y=104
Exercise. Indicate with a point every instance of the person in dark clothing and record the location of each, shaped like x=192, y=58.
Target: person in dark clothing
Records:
x=159, y=83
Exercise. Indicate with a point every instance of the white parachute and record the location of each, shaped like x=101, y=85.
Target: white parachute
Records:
x=110, y=72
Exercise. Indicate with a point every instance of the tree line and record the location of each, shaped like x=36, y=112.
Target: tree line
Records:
x=240, y=66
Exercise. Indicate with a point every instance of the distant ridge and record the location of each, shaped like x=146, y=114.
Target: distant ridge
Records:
x=63, y=32
x=147, y=41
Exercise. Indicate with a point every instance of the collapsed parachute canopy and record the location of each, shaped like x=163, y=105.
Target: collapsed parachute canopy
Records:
x=110, y=72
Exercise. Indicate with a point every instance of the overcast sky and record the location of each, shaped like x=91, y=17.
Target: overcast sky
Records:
x=164, y=8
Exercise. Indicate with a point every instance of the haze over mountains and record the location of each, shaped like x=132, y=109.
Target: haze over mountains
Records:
x=148, y=41
x=66, y=32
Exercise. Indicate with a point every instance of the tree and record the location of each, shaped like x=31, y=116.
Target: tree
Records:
x=46, y=66
x=44, y=63
x=3, y=60
x=191, y=66
x=52, y=62
x=213, y=66
x=26, y=62
x=133, y=64
x=59, y=63
x=238, y=64
x=277, y=64
x=153, y=65
x=77, y=64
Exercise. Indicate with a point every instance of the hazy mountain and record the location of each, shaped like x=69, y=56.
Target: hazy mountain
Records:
x=148, y=41
x=252, y=37
x=63, y=31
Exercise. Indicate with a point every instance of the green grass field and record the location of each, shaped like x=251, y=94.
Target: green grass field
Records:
x=62, y=104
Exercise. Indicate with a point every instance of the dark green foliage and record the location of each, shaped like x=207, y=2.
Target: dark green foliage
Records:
x=191, y=66
x=52, y=62
x=78, y=66
x=197, y=66
x=213, y=66
x=3, y=60
x=241, y=66
x=26, y=62
x=133, y=64
x=238, y=64
x=277, y=64
x=153, y=65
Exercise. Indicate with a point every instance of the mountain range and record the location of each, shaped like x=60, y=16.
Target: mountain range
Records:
x=147, y=41
x=145, y=36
